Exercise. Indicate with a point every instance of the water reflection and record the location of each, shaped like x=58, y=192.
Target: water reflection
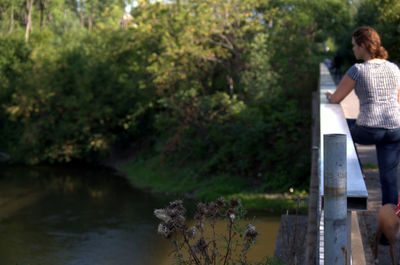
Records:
x=85, y=216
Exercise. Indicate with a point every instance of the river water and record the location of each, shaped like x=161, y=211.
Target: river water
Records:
x=87, y=216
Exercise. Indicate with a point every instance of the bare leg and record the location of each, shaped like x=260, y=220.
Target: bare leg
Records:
x=392, y=252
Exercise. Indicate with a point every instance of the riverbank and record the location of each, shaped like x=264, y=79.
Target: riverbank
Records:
x=184, y=183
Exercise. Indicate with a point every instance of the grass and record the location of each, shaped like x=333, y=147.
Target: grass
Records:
x=275, y=203
x=153, y=175
x=370, y=166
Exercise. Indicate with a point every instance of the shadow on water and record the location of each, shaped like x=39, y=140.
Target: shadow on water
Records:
x=81, y=215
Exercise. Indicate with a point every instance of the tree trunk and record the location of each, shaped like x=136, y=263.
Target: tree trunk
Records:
x=29, y=5
x=82, y=19
x=42, y=7
x=90, y=20
x=81, y=13
x=11, y=28
x=229, y=79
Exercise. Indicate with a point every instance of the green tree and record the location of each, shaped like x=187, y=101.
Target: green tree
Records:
x=384, y=16
x=225, y=85
x=70, y=103
x=92, y=11
x=295, y=28
x=389, y=27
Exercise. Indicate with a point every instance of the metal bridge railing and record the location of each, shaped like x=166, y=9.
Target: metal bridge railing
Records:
x=341, y=184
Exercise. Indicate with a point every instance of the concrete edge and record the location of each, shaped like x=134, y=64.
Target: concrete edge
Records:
x=357, y=248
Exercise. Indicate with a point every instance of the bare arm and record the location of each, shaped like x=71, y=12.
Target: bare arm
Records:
x=398, y=96
x=345, y=86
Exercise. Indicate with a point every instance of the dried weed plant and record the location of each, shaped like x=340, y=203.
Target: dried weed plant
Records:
x=201, y=244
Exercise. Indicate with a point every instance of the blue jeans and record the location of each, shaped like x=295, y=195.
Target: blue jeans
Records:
x=387, y=142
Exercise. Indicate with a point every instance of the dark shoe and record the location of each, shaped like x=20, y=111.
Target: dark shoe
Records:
x=383, y=240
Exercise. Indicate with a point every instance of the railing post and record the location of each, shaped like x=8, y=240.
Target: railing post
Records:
x=335, y=199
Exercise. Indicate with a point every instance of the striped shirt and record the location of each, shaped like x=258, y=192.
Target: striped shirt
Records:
x=377, y=87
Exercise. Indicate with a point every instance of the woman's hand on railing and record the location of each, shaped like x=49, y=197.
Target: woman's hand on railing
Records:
x=345, y=86
x=328, y=95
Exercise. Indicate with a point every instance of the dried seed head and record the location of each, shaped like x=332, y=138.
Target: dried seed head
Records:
x=164, y=230
x=199, y=217
x=191, y=232
x=171, y=225
x=179, y=221
x=172, y=218
x=250, y=233
x=201, y=245
x=220, y=202
x=162, y=214
x=234, y=202
x=230, y=211
x=173, y=213
x=232, y=216
x=178, y=206
x=201, y=208
x=212, y=209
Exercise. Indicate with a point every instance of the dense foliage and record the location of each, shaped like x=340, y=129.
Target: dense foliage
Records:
x=222, y=84
x=384, y=16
